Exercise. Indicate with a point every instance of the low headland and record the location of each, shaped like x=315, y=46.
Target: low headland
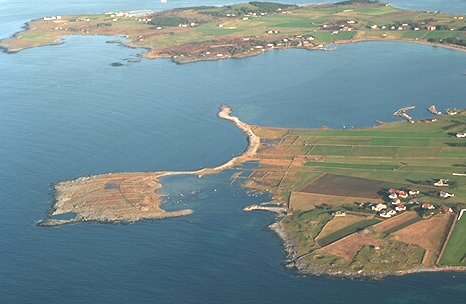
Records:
x=130, y=197
x=242, y=30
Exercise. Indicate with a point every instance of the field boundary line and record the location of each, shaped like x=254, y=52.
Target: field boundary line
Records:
x=447, y=239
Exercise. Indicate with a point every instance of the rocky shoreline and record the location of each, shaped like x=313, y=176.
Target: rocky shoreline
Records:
x=292, y=261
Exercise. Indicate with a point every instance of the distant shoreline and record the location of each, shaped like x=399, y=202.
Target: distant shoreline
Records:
x=211, y=34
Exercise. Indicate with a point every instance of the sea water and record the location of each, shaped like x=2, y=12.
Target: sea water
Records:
x=65, y=112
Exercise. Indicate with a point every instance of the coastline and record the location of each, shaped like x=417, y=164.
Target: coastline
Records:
x=187, y=60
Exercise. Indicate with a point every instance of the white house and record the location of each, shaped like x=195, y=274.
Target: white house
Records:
x=379, y=207
x=441, y=183
x=445, y=194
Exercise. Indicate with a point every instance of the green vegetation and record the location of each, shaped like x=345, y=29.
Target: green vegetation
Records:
x=401, y=142
x=453, y=153
x=347, y=231
x=393, y=255
x=239, y=10
x=348, y=2
x=449, y=40
x=305, y=226
x=455, y=253
x=170, y=20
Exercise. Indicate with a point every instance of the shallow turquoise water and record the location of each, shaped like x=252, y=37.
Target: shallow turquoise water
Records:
x=65, y=112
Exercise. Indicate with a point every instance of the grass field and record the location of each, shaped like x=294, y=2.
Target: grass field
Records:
x=353, y=166
x=455, y=253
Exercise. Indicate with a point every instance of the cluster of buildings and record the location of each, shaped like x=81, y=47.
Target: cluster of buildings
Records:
x=407, y=26
x=396, y=205
x=296, y=41
x=192, y=24
x=401, y=200
x=138, y=13
x=443, y=183
x=119, y=14
x=250, y=15
x=145, y=20
x=336, y=28
x=347, y=26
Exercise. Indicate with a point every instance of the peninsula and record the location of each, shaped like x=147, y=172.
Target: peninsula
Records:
x=241, y=30
x=360, y=203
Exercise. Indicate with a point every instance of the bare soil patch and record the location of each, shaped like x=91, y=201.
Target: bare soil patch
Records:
x=341, y=185
x=270, y=162
x=348, y=247
x=429, y=234
x=393, y=222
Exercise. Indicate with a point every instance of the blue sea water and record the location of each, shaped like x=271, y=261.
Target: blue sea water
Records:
x=66, y=112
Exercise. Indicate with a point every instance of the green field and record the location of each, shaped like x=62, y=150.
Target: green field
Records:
x=453, y=153
x=455, y=253
x=401, y=142
x=352, y=166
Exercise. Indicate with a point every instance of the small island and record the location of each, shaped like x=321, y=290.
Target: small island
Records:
x=242, y=30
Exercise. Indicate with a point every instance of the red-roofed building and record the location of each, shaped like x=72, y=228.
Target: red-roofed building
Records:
x=427, y=206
